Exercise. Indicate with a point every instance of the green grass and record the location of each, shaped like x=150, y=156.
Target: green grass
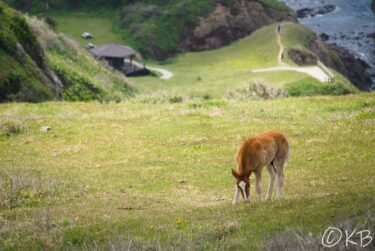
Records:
x=102, y=28
x=215, y=73
x=218, y=72
x=309, y=87
x=108, y=174
x=278, y=5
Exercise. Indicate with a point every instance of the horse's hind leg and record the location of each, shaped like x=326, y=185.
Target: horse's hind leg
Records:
x=279, y=164
x=271, y=172
x=279, y=167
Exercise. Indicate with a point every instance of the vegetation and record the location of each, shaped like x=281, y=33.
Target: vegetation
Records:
x=146, y=24
x=31, y=53
x=276, y=4
x=302, y=40
x=154, y=171
x=21, y=57
x=223, y=72
x=309, y=87
x=109, y=176
x=103, y=28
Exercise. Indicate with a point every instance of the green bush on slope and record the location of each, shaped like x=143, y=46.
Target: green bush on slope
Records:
x=310, y=87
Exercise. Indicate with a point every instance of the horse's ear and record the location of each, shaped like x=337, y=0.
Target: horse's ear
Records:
x=234, y=173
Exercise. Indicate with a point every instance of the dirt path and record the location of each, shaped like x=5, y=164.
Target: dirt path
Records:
x=314, y=71
x=164, y=73
x=281, y=48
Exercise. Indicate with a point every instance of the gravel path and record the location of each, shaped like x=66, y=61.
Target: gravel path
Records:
x=314, y=71
x=164, y=73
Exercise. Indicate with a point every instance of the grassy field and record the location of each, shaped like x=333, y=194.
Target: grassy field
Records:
x=214, y=73
x=158, y=175
x=219, y=72
x=102, y=28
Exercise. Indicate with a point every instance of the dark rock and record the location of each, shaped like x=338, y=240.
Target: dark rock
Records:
x=230, y=23
x=312, y=12
x=371, y=35
x=355, y=69
x=373, y=5
x=302, y=58
x=337, y=58
x=324, y=37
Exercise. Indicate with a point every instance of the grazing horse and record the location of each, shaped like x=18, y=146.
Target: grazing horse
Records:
x=270, y=149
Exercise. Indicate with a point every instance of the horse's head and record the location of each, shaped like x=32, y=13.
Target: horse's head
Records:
x=242, y=186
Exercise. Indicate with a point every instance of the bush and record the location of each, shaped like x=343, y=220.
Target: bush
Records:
x=208, y=104
x=311, y=87
x=52, y=23
x=256, y=91
x=10, y=127
x=77, y=87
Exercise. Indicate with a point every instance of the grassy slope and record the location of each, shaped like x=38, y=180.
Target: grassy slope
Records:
x=84, y=78
x=102, y=28
x=23, y=71
x=212, y=72
x=99, y=158
x=20, y=76
x=146, y=24
x=217, y=72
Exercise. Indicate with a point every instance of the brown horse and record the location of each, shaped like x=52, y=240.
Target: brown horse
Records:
x=269, y=149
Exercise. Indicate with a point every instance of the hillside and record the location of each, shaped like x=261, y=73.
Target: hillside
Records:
x=110, y=176
x=305, y=48
x=38, y=64
x=226, y=72
x=24, y=75
x=161, y=28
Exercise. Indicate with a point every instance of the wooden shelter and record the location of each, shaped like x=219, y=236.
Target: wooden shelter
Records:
x=115, y=55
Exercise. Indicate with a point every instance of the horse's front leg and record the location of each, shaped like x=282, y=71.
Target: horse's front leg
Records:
x=258, y=183
x=236, y=198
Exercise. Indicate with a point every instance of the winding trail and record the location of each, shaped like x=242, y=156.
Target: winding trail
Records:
x=281, y=47
x=164, y=73
x=314, y=71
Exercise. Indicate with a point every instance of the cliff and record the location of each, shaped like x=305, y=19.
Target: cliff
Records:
x=333, y=56
x=229, y=23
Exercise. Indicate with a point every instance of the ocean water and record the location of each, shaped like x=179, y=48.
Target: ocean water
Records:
x=348, y=26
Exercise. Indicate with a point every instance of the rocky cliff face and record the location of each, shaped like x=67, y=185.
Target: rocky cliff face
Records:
x=355, y=69
x=229, y=23
x=338, y=58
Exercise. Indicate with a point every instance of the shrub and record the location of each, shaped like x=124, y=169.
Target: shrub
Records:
x=25, y=190
x=10, y=127
x=208, y=104
x=52, y=23
x=311, y=87
x=256, y=91
x=296, y=239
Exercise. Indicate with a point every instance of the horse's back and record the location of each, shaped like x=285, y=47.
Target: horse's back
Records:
x=276, y=144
